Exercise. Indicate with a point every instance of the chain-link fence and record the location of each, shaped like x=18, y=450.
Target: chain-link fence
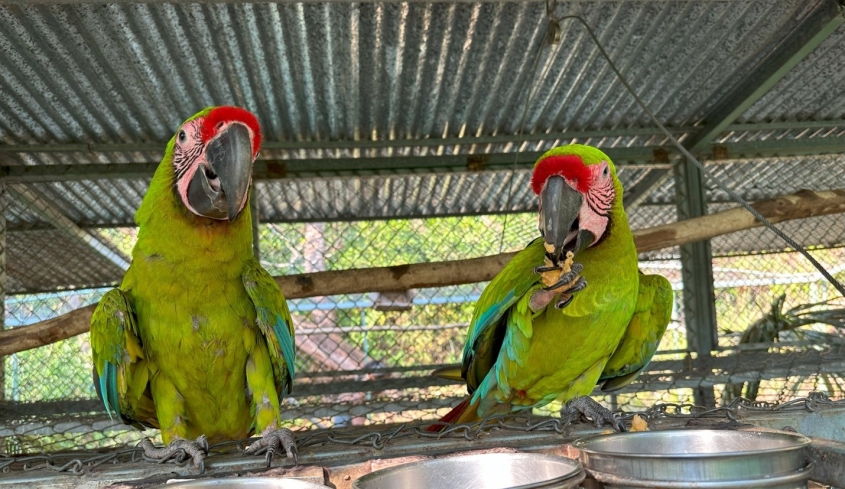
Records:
x=365, y=359
x=346, y=446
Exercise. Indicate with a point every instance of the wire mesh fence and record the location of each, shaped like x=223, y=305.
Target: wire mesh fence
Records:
x=365, y=359
x=332, y=443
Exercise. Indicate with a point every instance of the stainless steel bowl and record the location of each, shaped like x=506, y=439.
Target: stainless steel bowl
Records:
x=246, y=482
x=710, y=458
x=482, y=471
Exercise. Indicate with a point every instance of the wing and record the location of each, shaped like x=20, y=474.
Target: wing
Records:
x=274, y=321
x=489, y=319
x=121, y=374
x=651, y=316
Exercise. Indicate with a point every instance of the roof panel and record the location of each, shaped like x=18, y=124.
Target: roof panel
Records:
x=810, y=91
x=131, y=73
x=757, y=179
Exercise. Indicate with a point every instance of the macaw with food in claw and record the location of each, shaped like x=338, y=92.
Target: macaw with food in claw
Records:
x=571, y=309
x=198, y=340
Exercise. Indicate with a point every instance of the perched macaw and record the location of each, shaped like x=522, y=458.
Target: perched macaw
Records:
x=198, y=339
x=548, y=328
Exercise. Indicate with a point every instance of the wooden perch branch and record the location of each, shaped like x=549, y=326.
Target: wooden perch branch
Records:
x=799, y=205
x=43, y=333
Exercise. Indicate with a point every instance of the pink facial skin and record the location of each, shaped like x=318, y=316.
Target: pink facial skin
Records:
x=594, y=182
x=189, y=150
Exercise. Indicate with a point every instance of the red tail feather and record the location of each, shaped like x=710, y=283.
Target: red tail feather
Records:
x=451, y=417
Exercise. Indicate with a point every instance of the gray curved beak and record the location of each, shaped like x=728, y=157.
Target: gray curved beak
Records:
x=560, y=205
x=220, y=190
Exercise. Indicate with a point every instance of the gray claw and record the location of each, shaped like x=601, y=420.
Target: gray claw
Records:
x=178, y=449
x=542, y=297
x=566, y=297
x=599, y=414
x=271, y=442
x=569, y=277
x=564, y=301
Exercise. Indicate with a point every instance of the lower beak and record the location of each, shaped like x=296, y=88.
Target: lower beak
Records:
x=561, y=205
x=220, y=190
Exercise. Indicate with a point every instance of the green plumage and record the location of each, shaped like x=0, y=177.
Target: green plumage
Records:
x=198, y=339
x=516, y=359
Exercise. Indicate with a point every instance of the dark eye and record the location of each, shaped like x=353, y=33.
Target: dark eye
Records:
x=182, y=136
x=606, y=171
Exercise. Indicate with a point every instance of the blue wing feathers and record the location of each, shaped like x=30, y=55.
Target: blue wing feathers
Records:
x=273, y=318
x=108, y=388
x=280, y=328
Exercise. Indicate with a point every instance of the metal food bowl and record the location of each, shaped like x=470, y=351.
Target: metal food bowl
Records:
x=246, y=482
x=482, y=471
x=709, y=458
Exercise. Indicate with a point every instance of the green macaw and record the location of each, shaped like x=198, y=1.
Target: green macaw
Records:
x=607, y=319
x=198, y=339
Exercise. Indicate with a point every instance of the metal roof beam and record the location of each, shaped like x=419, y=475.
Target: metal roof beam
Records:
x=320, y=167
x=635, y=195
x=38, y=204
x=307, y=168
x=784, y=125
x=811, y=32
x=778, y=148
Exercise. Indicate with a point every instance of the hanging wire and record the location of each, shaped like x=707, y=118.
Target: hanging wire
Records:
x=549, y=39
x=554, y=21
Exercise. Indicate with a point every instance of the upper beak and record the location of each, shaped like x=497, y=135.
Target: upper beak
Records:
x=220, y=192
x=561, y=205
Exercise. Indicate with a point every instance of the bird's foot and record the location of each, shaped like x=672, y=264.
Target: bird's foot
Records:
x=600, y=415
x=178, y=449
x=569, y=281
x=566, y=297
x=557, y=276
x=271, y=441
x=563, y=285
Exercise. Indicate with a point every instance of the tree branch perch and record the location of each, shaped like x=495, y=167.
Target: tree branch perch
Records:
x=800, y=205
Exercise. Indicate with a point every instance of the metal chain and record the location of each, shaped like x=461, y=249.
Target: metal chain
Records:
x=77, y=463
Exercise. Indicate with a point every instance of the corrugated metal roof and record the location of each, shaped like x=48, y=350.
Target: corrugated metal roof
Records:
x=339, y=71
x=809, y=91
x=110, y=83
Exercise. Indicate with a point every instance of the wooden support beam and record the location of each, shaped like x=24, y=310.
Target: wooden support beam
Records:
x=800, y=205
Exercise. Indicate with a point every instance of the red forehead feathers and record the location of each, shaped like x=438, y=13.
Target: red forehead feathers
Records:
x=231, y=114
x=570, y=167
